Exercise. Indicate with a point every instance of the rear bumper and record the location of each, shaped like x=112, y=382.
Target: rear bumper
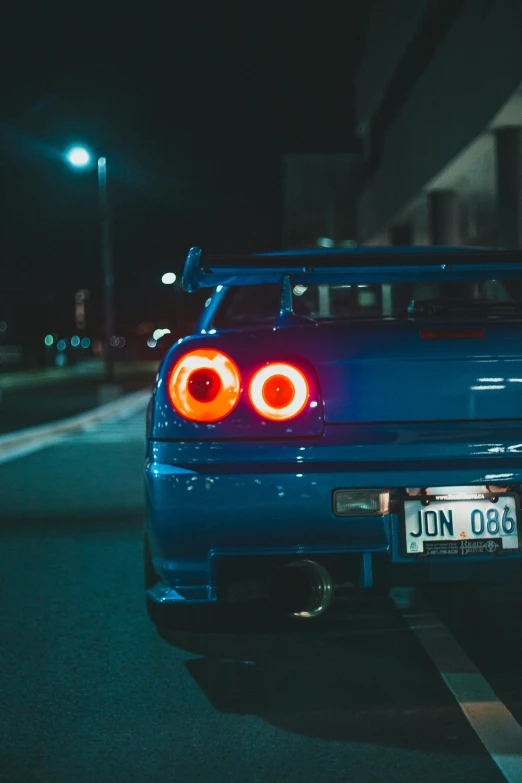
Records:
x=218, y=512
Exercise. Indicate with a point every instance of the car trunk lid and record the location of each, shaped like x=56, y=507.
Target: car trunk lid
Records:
x=389, y=371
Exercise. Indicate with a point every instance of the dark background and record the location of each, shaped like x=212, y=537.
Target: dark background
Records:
x=193, y=106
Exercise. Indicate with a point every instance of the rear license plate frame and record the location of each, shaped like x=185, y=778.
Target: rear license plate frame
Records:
x=460, y=549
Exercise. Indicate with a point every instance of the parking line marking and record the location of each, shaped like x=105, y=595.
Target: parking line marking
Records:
x=491, y=720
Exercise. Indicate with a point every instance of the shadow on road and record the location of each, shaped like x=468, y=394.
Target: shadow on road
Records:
x=355, y=675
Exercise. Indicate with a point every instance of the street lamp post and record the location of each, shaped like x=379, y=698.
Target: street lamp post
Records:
x=80, y=158
x=108, y=272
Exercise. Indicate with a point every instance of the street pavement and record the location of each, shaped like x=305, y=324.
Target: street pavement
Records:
x=91, y=692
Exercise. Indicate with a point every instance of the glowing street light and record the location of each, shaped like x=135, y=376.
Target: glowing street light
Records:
x=78, y=157
x=168, y=278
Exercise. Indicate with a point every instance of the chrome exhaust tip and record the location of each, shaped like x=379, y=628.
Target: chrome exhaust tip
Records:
x=302, y=588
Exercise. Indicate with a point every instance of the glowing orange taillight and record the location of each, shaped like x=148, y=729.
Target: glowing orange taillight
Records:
x=279, y=391
x=204, y=385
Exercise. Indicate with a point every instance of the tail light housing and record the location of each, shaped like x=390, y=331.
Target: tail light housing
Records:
x=279, y=391
x=204, y=385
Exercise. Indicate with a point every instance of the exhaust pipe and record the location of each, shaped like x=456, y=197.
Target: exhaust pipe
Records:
x=302, y=588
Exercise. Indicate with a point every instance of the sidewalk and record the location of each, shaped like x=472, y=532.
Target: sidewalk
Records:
x=92, y=368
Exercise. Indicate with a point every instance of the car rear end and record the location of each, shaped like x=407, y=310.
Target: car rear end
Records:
x=369, y=435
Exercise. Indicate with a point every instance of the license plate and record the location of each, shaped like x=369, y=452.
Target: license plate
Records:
x=461, y=527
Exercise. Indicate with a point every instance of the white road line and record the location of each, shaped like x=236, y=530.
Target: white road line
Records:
x=19, y=444
x=493, y=723
x=126, y=429
x=16, y=452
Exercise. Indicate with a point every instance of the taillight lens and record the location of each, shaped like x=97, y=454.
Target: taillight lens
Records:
x=204, y=385
x=279, y=391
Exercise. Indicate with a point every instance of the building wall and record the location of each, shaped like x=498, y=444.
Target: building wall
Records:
x=390, y=28
x=475, y=68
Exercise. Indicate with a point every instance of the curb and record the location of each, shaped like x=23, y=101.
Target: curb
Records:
x=14, y=444
x=89, y=369
x=22, y=380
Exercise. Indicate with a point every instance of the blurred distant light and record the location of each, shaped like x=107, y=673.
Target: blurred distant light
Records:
x=299, y=290
x=60, y=360
x=219, y=288
x=208, y=301
x=145, y=327
x=79, y=157
x=168, y=278
x=158, y=333
x=117, y=342
x=102, y=162
x=61, y=345
x=49, y=340
x=325, y=242
x=75, y=341
x=85, y=342
x=151, y=342
x=3, y=327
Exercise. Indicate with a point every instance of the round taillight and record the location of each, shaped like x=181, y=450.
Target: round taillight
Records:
x=279, y=391
x=204, y=385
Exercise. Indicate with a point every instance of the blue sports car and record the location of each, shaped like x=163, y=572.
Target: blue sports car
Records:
x=340, y=419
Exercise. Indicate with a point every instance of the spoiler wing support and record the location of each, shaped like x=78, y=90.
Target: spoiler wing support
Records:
x=360, y=265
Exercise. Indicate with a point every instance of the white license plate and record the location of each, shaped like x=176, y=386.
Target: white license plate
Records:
x=461, y=527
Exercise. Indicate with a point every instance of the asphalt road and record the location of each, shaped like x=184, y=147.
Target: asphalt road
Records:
x=90, y=691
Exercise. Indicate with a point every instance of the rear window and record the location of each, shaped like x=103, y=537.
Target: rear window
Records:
x=255, y=305
x=259, y=305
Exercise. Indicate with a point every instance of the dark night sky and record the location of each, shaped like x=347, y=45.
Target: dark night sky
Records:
x=193, y=109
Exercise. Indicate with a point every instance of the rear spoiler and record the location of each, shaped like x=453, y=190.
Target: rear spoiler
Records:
x=364, y=265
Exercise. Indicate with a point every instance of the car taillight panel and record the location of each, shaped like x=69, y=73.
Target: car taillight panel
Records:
x=279, y=391
x=204, y=385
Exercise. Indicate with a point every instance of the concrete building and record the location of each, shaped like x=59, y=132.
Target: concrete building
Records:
x=439, y=111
